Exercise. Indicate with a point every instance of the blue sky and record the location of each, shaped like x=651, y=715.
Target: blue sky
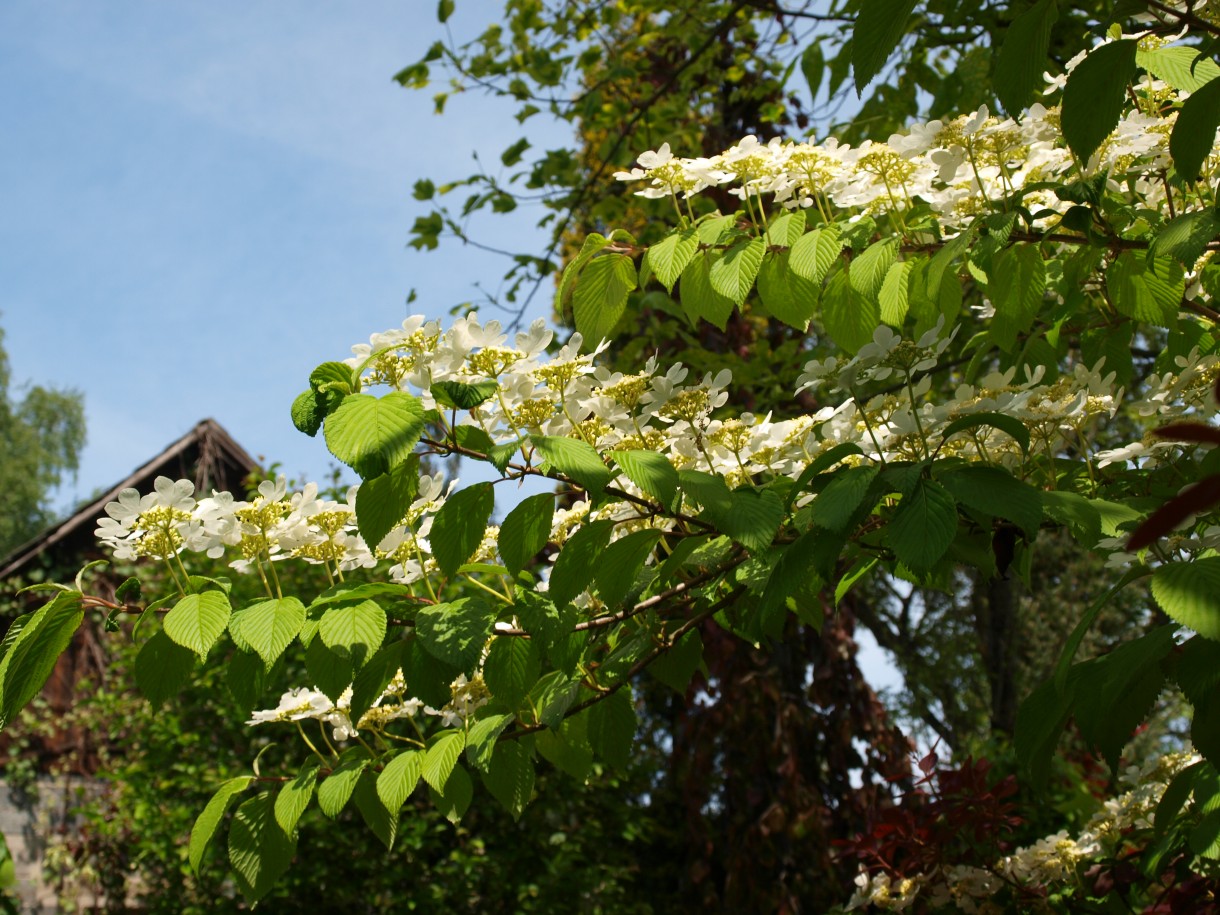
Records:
x=202, y=201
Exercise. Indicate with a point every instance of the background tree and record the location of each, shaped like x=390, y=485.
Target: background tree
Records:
x=42, y=432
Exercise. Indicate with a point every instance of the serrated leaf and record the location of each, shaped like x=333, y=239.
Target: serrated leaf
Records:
x=269, y=626
x=843, y=497
x=512, y=667
x=1095, y=95
x=399, y=778
x=454, y=801
x=510, y=778
x=813, y=67
x=375, y=676
x=1146, y=290
x=539, y=616
x=814, y=253
x=526, y=531
x=430, y=677
x=1040, y=721
x=441, y=757
x=328, y=670
x=382, y=501
x=787, y=296
x=462, y=396
x=670, y=256
x=307, y=414
x=893, y=294
x=879, y=27
x=1190, y=593
x=336, y=789
x=1183, y=68
x=1018, y=281
x=849, y=317
x=732, y=274
x=600, y=296
x=481, y=739
x=1010, y=426
x=382, y=822
x=621, y=563
x=554, y=694
x=752, y=518
x=568, y=748
x=246, y=678
x=1022, y=57
x=575, y=459
x=924, y=526
x=996, y=492
x=456, y=632
x=197, y=621
x=611, y=728
x=697, y=296
x=652, y=472
x=373, y=434
x=295, y=796
x=784, y=230
x=1186, y=237
x=163, y=667
x=209, y=819
x=593, y=243
x=577, y=561
x=676, y=666
x=458, y=528
x=354, y=632
x=867, y=272
x=259, y=850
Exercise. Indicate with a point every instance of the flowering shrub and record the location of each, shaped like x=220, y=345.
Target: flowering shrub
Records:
x=1016, y=304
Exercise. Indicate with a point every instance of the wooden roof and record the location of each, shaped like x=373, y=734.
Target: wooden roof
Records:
x=207, y=455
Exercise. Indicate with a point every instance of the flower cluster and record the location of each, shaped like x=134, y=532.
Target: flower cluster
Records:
x=958, y=167
x=1050, y=864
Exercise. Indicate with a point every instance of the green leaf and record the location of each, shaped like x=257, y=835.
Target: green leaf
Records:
x=1018, y=281
x=512, y=154
x=788, y=297
x=670, y=256
x=512, y=667
x=879, y=27
x=1040, y=721
x=163, y=667
x=676, y=666
x=843, y=497
x=593, y=243
x=510, y=779
x=924, y=526
x=621, y=563
x=454, y=801
x=246, y=677
x=1095, y=95
x=259, y=850
x=307, y=415
x=1177, y=792
x=382, y=501
x=601, y=296
x=752, y=519
x=295, y=796
x=197, y=621
x=209, y=820
x=539, y=616
x=568, y=748
x=444, y=9
x=269, y=626
x=893, y=294
x=430, y=677
x=481, y=739
x=1023, y=56
x=577, y=561
x=526, y=530
x=996, y=492
x=813, y=67
x=785, y=230
x=1010, y=426
x=576, y=460
x=334, y=381
x=555, y=693
x=458, y=528
x=329, y=671
x=867, y=272
x=1193, y=136
x=814, y=253
x=1186, y=237
x=1185, y=69
x=336, y=789
x=697, y=296
x=849, y=317
x=441, y=757
x=611, y=726
x=1147, y=290
x=382, y=822
x=456, y=632
x=373, y=434
x=399, y=778
x=652, y=472
x=375, y=676
x=1190, y=593
x=354, y=632
x=461, y=396
x=732, y=274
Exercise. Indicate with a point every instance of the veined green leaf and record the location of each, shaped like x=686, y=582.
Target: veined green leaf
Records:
x=732, y=274
x=652, y=472
x=575, y=459
x=670, y=256
x=879, y=27
x=1022, y=56
x=1018, y=281
x=441, y=757
x=867, y=272
x=269, y=626
x=814, y=253
x=461, y=396
x=697, y=296
x=197, y=621
x=849, y=317
x=294, y=797
x=399, y=778
x=621, y=563
x=512, y=667
x=526, y=530
x=163, y=667
x=893, y=294
x=785, y=230
x=458, y=528
x=456, y=632
x=1190, y=593
x=207, y=821
x=354, y=632
x=577, y=561
x=1185, y=69
x=1095, y=94
x=259, y=850
x=382, y=501
x=510, y=778
x=924, y=526
x=600, y=296
x=336, y=789
x=372, y=434
x=611, y=727
x=482, y=735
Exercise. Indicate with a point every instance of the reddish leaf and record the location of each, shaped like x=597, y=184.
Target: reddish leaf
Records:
x=1201, y=433
x=1194, y=500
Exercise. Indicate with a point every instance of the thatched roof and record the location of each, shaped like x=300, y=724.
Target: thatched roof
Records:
x=207, y=455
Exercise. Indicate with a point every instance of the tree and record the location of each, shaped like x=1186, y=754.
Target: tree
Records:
x=923, y=445
x=41, y=436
